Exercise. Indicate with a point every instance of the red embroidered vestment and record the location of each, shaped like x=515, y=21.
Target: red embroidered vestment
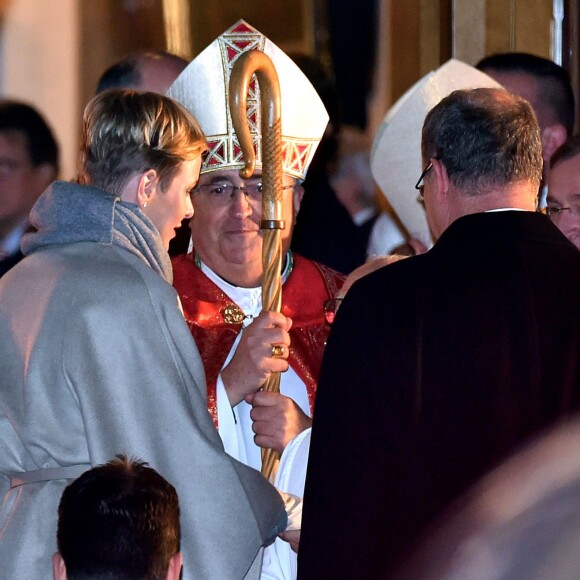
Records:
x=303, y=295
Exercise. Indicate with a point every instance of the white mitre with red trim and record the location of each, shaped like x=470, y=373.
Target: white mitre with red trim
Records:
x=203, y=89
x=396, y=152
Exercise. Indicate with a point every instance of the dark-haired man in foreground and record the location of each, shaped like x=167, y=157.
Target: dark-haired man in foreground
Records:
x=119, y=520
x=438, y=366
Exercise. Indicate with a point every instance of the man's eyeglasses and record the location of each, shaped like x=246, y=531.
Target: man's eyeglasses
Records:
x=223, y=192
x=331, y=308
x=419, y=185
x=557, y=211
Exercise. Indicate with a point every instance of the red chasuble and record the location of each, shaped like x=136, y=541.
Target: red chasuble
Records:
x=303, y=296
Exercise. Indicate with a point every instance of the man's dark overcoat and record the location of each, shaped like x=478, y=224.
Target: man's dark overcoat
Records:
x=437, y=368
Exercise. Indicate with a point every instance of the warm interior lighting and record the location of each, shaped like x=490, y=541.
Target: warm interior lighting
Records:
x=177, y=27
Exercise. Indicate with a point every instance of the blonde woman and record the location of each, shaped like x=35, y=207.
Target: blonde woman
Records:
x=96, y=358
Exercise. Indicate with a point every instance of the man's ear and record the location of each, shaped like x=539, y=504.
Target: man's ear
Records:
x=147, y=187
x=552, y=137
x=174, y=569
x=441, y=180
x=58, y=567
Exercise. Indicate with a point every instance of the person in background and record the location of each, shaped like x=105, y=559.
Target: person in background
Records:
x=29, y=162
x=355, y=187
x=118, y=520
x=438, y=366
x=332, y=305
x=338, y=210
x=564, y=190
x=143, y=70
x=96, y=358
x=547, y=87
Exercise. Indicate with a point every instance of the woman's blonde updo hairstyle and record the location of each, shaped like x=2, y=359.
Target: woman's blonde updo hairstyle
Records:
x=127, y=132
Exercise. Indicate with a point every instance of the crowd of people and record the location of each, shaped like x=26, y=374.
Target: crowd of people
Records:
x=436, y=368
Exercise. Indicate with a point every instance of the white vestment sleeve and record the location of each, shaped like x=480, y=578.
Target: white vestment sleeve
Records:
x=293, y=462
x=227, y=421
x=280, y=561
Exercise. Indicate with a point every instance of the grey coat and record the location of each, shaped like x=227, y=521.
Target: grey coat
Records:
x=96, y=359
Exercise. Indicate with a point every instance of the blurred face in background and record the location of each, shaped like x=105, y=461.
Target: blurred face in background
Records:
x=20, y=181
x=564, y=198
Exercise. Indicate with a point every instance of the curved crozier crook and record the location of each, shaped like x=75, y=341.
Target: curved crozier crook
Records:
x=248, y=64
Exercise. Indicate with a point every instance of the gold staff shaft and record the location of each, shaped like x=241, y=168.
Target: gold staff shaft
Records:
x=248, y=64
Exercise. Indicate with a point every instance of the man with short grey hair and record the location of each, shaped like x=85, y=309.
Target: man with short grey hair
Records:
x=439, y=366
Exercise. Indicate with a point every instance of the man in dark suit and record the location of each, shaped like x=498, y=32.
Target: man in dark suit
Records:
x=28, y=164
x=440, y=365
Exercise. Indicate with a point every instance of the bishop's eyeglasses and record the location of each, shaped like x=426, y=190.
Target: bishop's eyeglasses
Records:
x=221, y=192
